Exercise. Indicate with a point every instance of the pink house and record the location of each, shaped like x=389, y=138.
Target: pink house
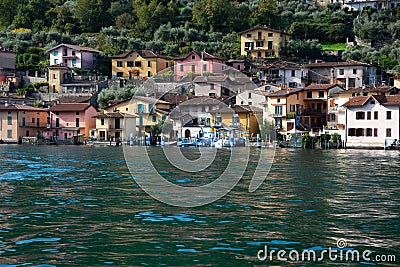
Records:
x=73, y=56
x=71, y=119
x=237, y=64
x=197, y=63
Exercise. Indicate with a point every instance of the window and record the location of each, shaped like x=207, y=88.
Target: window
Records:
x=193, y=68
x=212, y=86
x=38, y=122
x=292, y=108
x=372, y=102
x=77, y=122
x=73, y=52
x=33, y=120
x=270, y=45
x=138, y=64
x=57, y=112
x=74, y=62
x=368, y=115
x=102, y=121
x=248, y=35
x=120, y=74
x=278, y=110
x=23, y=121
x=119, y=64
x=332, y=117
x=388, y=132
x=375, y=115
x=360, y=115
x=293, y=73
x=204, y=67
x=369, y=132
x=149, y=64
x=154, y=118
x=9, y=134
x=140, y=108
x=181, y=68
x=341, y=71
x=259, y=35
x=163, y=118
x=248, y=45
x=260, y=44
x=321, y=94
x=194, y=109
x=56, y=53
x=129, y=64
x=270, y=34
x=148, y=73
x=359, y=132
x=193, y=57
x=57, y=122
x=55, y=61
x=250, y=103
x=388, y=115
x=249, y=96
x=211, y=94
x=352, y=132
x=375, y=132
x=9, y=120
x=77, y=113
x=309, y=94
x=354, y=71
x=278, y=100
x=140, y=121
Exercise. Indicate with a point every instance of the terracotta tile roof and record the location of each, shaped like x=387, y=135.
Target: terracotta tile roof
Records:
x=316, y=86
x=115, y=115
x=75, y=47
x=358, y=101
x=262, y=28
x=142, y=53
x=336, y=64
x=201, y=100
x=284, y=92
x=21, y=107
x=237, y=109
x=206, y=56
x=70, y=107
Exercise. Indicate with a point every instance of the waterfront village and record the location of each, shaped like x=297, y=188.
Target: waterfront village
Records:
x=202, y=96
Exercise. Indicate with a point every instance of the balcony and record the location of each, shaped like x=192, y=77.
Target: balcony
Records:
x=277, y=115
x=309, y=112
x=217, y=124
x=33, y=125
x=235, y=124
x=112, y=127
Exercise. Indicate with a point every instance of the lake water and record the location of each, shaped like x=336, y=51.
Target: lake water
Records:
x=79, y=206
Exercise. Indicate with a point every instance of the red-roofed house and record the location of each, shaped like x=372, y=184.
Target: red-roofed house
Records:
x=138, y=64
x=17, y=121
x=197, y=63
x=71, y=119
x=372, y=121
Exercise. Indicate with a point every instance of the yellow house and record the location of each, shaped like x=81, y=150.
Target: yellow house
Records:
x=148, y=110
x=138, y=64
x=17, y=121
x=114, y=125
x=58, y=74
x=262, y=42
x=283, y=106
x=241, y=118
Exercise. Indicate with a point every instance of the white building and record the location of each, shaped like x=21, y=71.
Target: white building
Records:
x=355, y=5
x=351, y=74
x=372, y=121
x=288, y=74
x=73, y=56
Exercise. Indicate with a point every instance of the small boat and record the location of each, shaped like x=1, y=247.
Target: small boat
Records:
x=186, y=142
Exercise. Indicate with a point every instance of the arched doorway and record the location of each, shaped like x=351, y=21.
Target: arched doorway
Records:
x=187, y=133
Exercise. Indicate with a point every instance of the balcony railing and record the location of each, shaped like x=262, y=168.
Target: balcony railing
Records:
x=33, y=125
x=277, y=115
x=307, y=112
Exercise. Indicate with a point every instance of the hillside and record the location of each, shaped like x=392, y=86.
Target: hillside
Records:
x=175, y=27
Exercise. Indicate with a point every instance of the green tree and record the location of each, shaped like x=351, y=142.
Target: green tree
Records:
x=92, y=14
x=213, y=15
x=266, y=14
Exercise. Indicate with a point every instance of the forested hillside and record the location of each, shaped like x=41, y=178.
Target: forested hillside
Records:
x=175, y=27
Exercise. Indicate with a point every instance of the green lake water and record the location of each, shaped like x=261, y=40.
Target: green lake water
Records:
x=79, y=206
